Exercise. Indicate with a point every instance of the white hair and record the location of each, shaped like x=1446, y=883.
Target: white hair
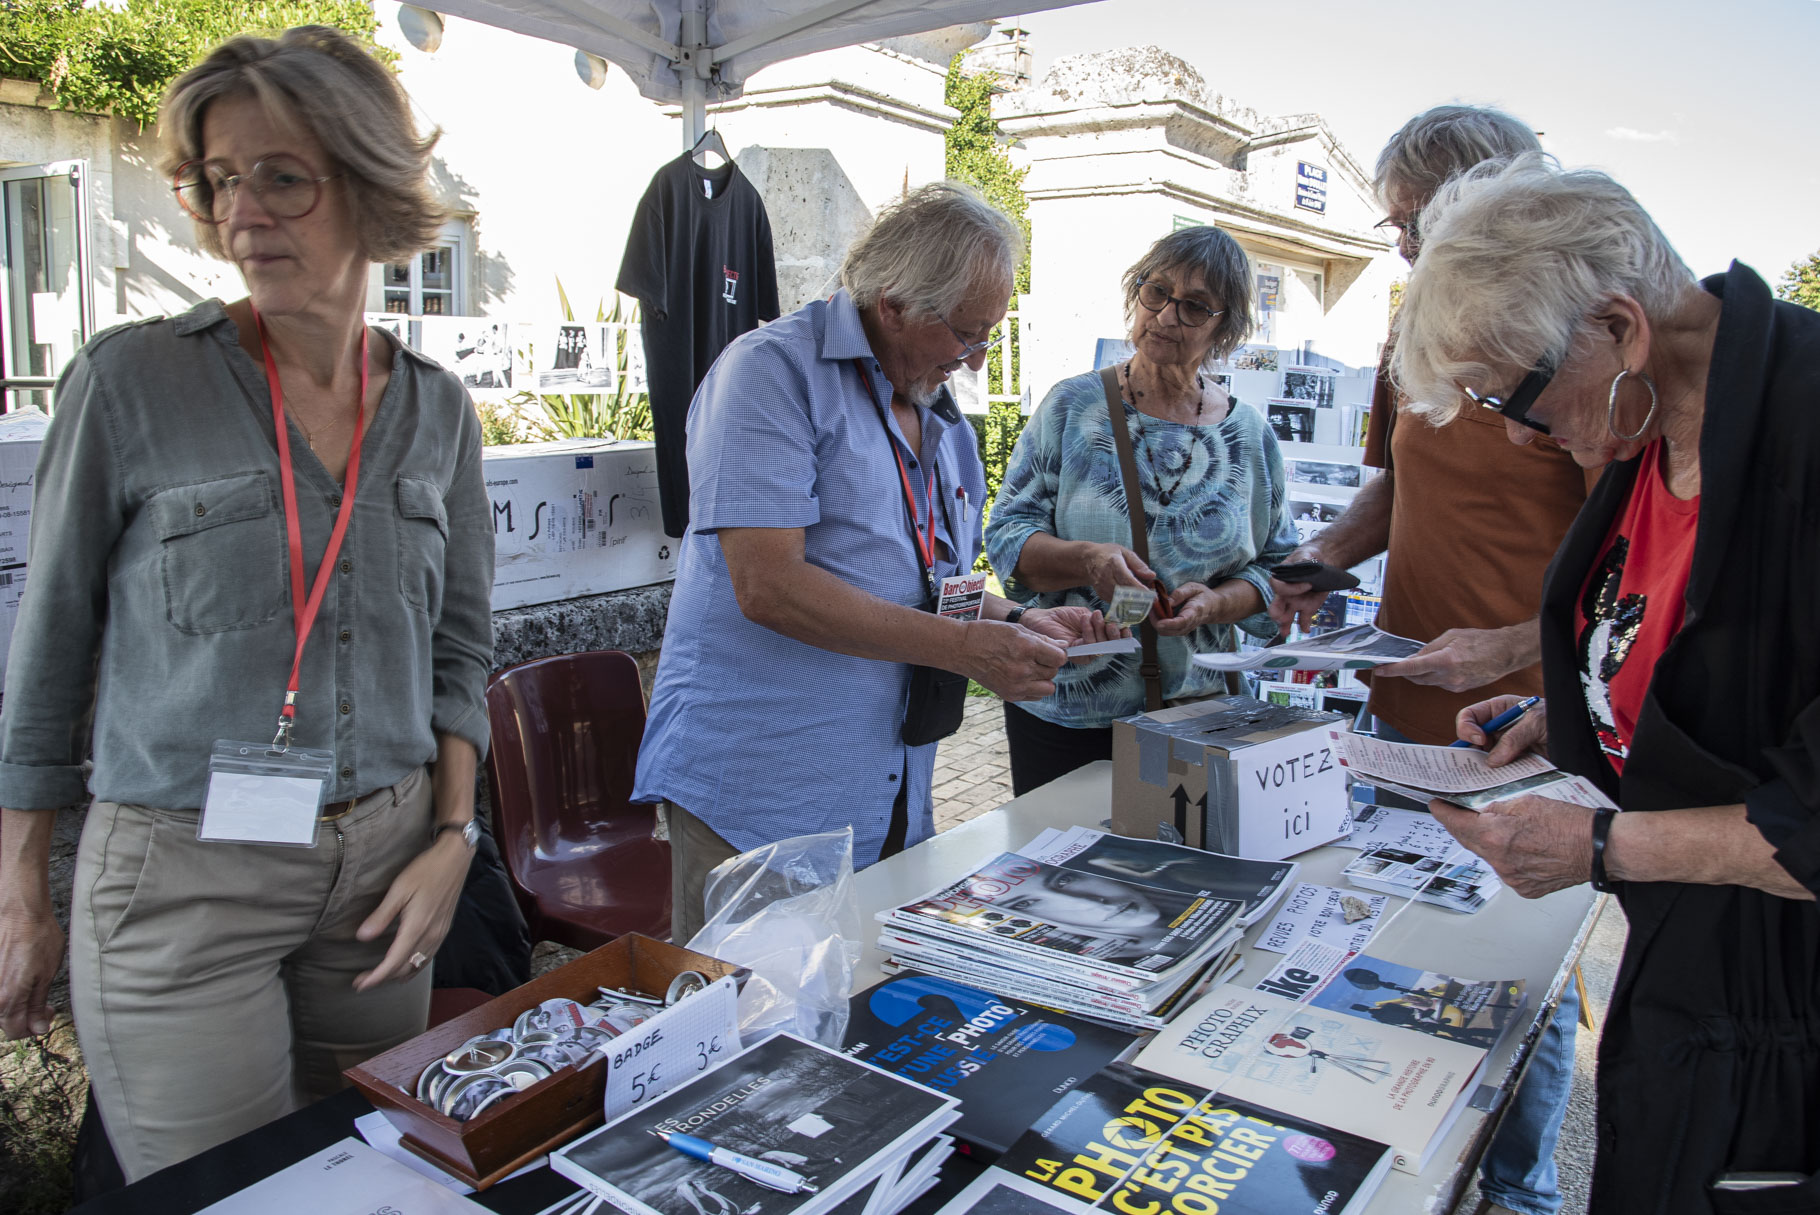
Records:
x=1436, y=144
x=931, y=249
x=1516, y=255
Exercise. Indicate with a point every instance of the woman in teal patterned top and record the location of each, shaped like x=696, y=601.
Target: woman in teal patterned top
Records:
x=1212, y=482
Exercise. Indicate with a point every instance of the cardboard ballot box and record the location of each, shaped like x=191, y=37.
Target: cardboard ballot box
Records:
x=1232, y=775
x=575, y=517
x=505, y=1137
x=21, y=435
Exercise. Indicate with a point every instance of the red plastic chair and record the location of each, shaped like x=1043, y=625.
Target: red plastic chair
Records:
x=583, y=864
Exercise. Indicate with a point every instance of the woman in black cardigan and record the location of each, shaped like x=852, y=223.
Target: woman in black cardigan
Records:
x=1681, y=656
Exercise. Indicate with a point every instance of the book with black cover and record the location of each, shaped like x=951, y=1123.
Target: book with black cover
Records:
x=1006, y=1059
x=1256, y=885
x=1130, y=1140
x=836, y=1121
x=1097, y=926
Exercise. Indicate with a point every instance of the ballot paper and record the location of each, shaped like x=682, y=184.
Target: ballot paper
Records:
x=348, y=1178
x=1119, y=645
x=1358, y=648
x=1460, y=775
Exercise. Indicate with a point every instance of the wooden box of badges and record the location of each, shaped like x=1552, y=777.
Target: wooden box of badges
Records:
x=507, y=1136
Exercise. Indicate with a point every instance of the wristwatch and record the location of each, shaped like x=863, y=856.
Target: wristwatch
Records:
x=1015, y=614
x=470, y=832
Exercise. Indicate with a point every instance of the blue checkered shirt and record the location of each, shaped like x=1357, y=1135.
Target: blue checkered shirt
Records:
x=761, y=736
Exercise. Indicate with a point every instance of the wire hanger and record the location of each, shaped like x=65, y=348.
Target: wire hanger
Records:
x=711, y=141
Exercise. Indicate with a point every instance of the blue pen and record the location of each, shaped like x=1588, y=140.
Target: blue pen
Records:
x=771, y=1176
x=1503, y=720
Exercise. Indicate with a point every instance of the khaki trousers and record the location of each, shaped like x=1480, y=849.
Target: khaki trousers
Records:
x=695, y=849
x=213, y=983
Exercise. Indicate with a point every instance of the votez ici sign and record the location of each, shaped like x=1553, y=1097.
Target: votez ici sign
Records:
x=1310, y=187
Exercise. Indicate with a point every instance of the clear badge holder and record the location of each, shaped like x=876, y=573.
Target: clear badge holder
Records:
x=264, y=793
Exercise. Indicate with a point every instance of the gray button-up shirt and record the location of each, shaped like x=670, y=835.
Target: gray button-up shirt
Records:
x=159, y=591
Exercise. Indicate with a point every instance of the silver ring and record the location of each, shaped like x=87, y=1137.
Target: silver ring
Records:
x=418, y=961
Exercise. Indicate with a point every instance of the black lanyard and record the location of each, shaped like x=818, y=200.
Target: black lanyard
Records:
x=921, y=538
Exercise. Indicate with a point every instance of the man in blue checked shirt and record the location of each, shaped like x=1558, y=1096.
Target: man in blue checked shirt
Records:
x=834, y=487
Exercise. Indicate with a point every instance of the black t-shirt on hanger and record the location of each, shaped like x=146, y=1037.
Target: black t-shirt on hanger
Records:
x=699, y=261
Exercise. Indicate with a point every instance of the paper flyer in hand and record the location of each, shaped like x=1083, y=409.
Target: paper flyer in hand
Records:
x=1326, y=913
x=1358, y=648
x=1460, y=775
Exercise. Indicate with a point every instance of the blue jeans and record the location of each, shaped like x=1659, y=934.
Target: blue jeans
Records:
x=1518, y=1170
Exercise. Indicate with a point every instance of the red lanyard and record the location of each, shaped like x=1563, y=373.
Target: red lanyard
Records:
x=920, y=535
x=303, y=614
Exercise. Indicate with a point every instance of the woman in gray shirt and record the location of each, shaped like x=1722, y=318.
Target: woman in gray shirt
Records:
x=213, y=487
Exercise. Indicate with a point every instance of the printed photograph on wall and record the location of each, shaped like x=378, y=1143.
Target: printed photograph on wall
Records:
x=572, y=357
x=477, y=350
x=1321, y=472
x=1309, y=384
x=1293, y=421
x=1254, y=358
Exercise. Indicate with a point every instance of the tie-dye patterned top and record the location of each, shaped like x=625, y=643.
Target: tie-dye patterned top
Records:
x=1225, y=519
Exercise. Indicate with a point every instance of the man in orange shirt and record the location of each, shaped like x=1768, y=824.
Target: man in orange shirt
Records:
x=1464, y=574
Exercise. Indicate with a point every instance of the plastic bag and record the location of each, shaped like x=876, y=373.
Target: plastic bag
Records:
x=789, y=912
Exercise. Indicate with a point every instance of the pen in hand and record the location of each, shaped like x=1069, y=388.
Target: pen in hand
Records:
x=761, y=1172
x=1503, y=720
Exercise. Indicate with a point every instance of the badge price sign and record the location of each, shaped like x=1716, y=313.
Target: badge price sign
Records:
x=677, y=1044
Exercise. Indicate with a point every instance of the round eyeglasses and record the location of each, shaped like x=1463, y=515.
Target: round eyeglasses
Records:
x=284, y=185
x=1191, y=313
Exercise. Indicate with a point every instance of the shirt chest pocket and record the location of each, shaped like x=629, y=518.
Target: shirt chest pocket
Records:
x=222, y=553
x=423, y=540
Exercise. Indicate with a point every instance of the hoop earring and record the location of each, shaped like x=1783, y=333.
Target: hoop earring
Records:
x=1611, y=407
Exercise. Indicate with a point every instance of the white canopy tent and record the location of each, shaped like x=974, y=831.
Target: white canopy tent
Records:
x=694, y=51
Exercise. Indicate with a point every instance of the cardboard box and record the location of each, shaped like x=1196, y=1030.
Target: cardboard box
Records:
x=507, y=1136
x=1232, y=775
x=575, y=517
x=21, y=435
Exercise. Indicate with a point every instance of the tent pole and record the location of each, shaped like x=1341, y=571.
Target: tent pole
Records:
x=693, y=69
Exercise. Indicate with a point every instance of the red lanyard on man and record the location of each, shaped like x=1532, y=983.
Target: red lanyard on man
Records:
x=921, y=535
x=303, y=613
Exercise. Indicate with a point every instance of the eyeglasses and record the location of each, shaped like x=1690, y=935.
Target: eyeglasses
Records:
x=1516, y=407
x=1191, y=313
x=284, y=185
x=1411, y=227
x=970, y=349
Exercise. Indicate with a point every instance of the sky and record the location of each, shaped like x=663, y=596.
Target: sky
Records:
x=1708, y=112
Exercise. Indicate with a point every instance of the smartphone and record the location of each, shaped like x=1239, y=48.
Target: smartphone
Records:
x=1318, y=575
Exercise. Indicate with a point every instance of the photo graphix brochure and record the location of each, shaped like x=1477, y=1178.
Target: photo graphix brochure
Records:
x=834, y=1120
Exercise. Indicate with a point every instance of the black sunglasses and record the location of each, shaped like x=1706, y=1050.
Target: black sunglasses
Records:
x=1516, y=406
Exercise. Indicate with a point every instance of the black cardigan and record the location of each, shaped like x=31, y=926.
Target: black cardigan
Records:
x=1710, y=1061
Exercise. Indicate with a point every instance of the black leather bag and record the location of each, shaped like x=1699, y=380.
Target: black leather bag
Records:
x=937, y=702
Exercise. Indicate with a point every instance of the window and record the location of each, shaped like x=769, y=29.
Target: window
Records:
x=434, y=283
x=45, y=304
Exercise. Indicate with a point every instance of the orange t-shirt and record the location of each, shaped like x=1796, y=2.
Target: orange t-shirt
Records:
x=1475, y=520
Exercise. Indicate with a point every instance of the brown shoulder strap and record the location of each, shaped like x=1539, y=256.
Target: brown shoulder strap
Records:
x=1148, y=665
